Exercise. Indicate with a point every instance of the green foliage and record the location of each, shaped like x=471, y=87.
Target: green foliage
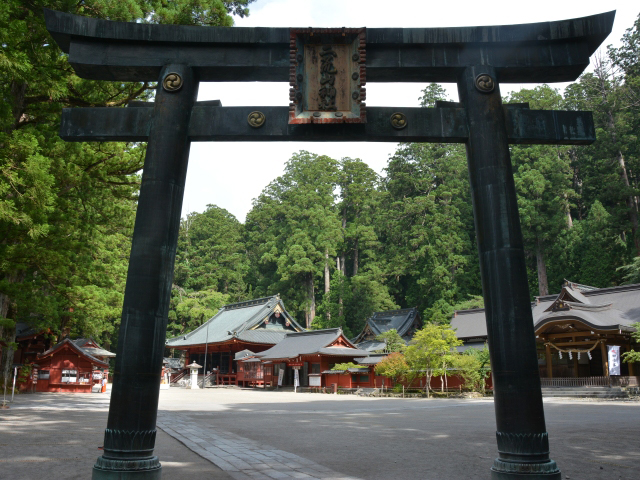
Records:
x=394, y=366
x=345, y=366
x=394, y=342
x=211, y=253
x=633, y=356
x=431, y=350
x=66, y=208
x=473, y=366
x=24, y=372
x=427, y=225
x=190, y=310
x=631, y=271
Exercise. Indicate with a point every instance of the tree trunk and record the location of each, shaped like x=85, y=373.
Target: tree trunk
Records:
x=65, y=328
x=312, y=301
x=543, y=284
x=327, y=280
x=631, y=204
x=568, y=211
x=446, y=381
x=601, y=74
x=428, y=385
x=327, y=275
x=343, y=266
x=355, y=258
x=18, y=91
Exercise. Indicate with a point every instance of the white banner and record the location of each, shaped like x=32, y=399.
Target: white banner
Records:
x=280, y=376
x=296, y=378
x=614, y=359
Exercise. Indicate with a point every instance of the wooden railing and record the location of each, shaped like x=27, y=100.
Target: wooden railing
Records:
x=616, y=381
x=225, y=379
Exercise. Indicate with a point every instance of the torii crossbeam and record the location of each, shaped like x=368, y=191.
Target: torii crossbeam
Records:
x=327, y=69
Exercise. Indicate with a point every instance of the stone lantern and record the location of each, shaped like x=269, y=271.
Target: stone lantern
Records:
x=194, y=375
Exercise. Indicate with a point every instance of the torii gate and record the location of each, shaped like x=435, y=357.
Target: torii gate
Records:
x=327, y=69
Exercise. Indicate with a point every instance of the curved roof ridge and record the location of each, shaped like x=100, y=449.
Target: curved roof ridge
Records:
x=73, y=346
x=397, y=310
x=606, y=290
x=589, y=306
x=250, y=303
x=315, y=332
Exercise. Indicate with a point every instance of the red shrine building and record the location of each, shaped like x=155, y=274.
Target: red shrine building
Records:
x=236, y=331
x=313, y=354
x=581, y=334
x=71, y=366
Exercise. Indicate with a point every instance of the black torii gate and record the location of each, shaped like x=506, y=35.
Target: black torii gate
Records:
x=478, y=59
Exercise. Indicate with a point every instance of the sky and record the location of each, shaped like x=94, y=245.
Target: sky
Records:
x=231, y=174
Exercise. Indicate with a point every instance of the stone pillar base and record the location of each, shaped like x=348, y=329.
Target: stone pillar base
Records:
x=502, y=470
x=113, y=469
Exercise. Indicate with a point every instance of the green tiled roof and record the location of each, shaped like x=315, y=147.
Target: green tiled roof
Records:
x=236, y=321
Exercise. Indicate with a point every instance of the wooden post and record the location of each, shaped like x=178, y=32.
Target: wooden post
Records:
x=575, y=364
x=631, y=373
x=605, y=360
x=549, y=361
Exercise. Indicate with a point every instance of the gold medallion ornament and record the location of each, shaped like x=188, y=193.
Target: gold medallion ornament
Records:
x=256, y=119
x=172, y=82
x=398, y=120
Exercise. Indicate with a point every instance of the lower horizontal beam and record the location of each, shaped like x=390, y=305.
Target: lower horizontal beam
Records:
x=216, y=123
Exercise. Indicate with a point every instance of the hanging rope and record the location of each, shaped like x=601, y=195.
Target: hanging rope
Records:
x=575, y=350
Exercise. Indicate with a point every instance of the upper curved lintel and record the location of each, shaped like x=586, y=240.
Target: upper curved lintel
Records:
x=64, y=25
x=538, y=52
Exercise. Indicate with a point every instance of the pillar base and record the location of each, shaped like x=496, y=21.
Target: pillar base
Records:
x=117, y=469
x=502, y=470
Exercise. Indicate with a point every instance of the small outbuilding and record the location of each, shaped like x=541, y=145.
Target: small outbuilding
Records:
x=69, y=368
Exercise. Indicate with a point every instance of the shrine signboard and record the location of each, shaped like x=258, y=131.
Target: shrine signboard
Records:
x=328, y=74
x=327, y=71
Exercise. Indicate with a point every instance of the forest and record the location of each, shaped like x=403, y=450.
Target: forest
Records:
x=336, y=240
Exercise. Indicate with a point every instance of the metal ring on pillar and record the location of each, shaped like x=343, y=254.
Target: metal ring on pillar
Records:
x=256, y=119
x=485, y=83
x=172, y=82
x=399, y=120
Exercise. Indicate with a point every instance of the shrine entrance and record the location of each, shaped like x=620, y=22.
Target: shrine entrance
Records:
x=327, y=70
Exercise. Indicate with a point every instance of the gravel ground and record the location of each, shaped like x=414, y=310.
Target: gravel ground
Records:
x=367, y=438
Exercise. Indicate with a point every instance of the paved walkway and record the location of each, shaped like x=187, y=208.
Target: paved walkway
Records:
x=241, y=457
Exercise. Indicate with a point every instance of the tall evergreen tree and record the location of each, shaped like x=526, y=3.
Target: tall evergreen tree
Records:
x=543, y=178
x=66, y=209
x=291, y=230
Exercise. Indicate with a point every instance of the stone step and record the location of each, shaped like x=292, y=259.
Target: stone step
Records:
x=584, y=392
x=581, y=389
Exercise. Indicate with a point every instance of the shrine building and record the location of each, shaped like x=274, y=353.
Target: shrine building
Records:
x=577, y=332
x=71, y=366
x=254, y=325
x=405, y=321
x=313, y=353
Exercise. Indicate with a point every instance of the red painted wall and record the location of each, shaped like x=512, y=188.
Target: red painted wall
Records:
x=65, y=359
